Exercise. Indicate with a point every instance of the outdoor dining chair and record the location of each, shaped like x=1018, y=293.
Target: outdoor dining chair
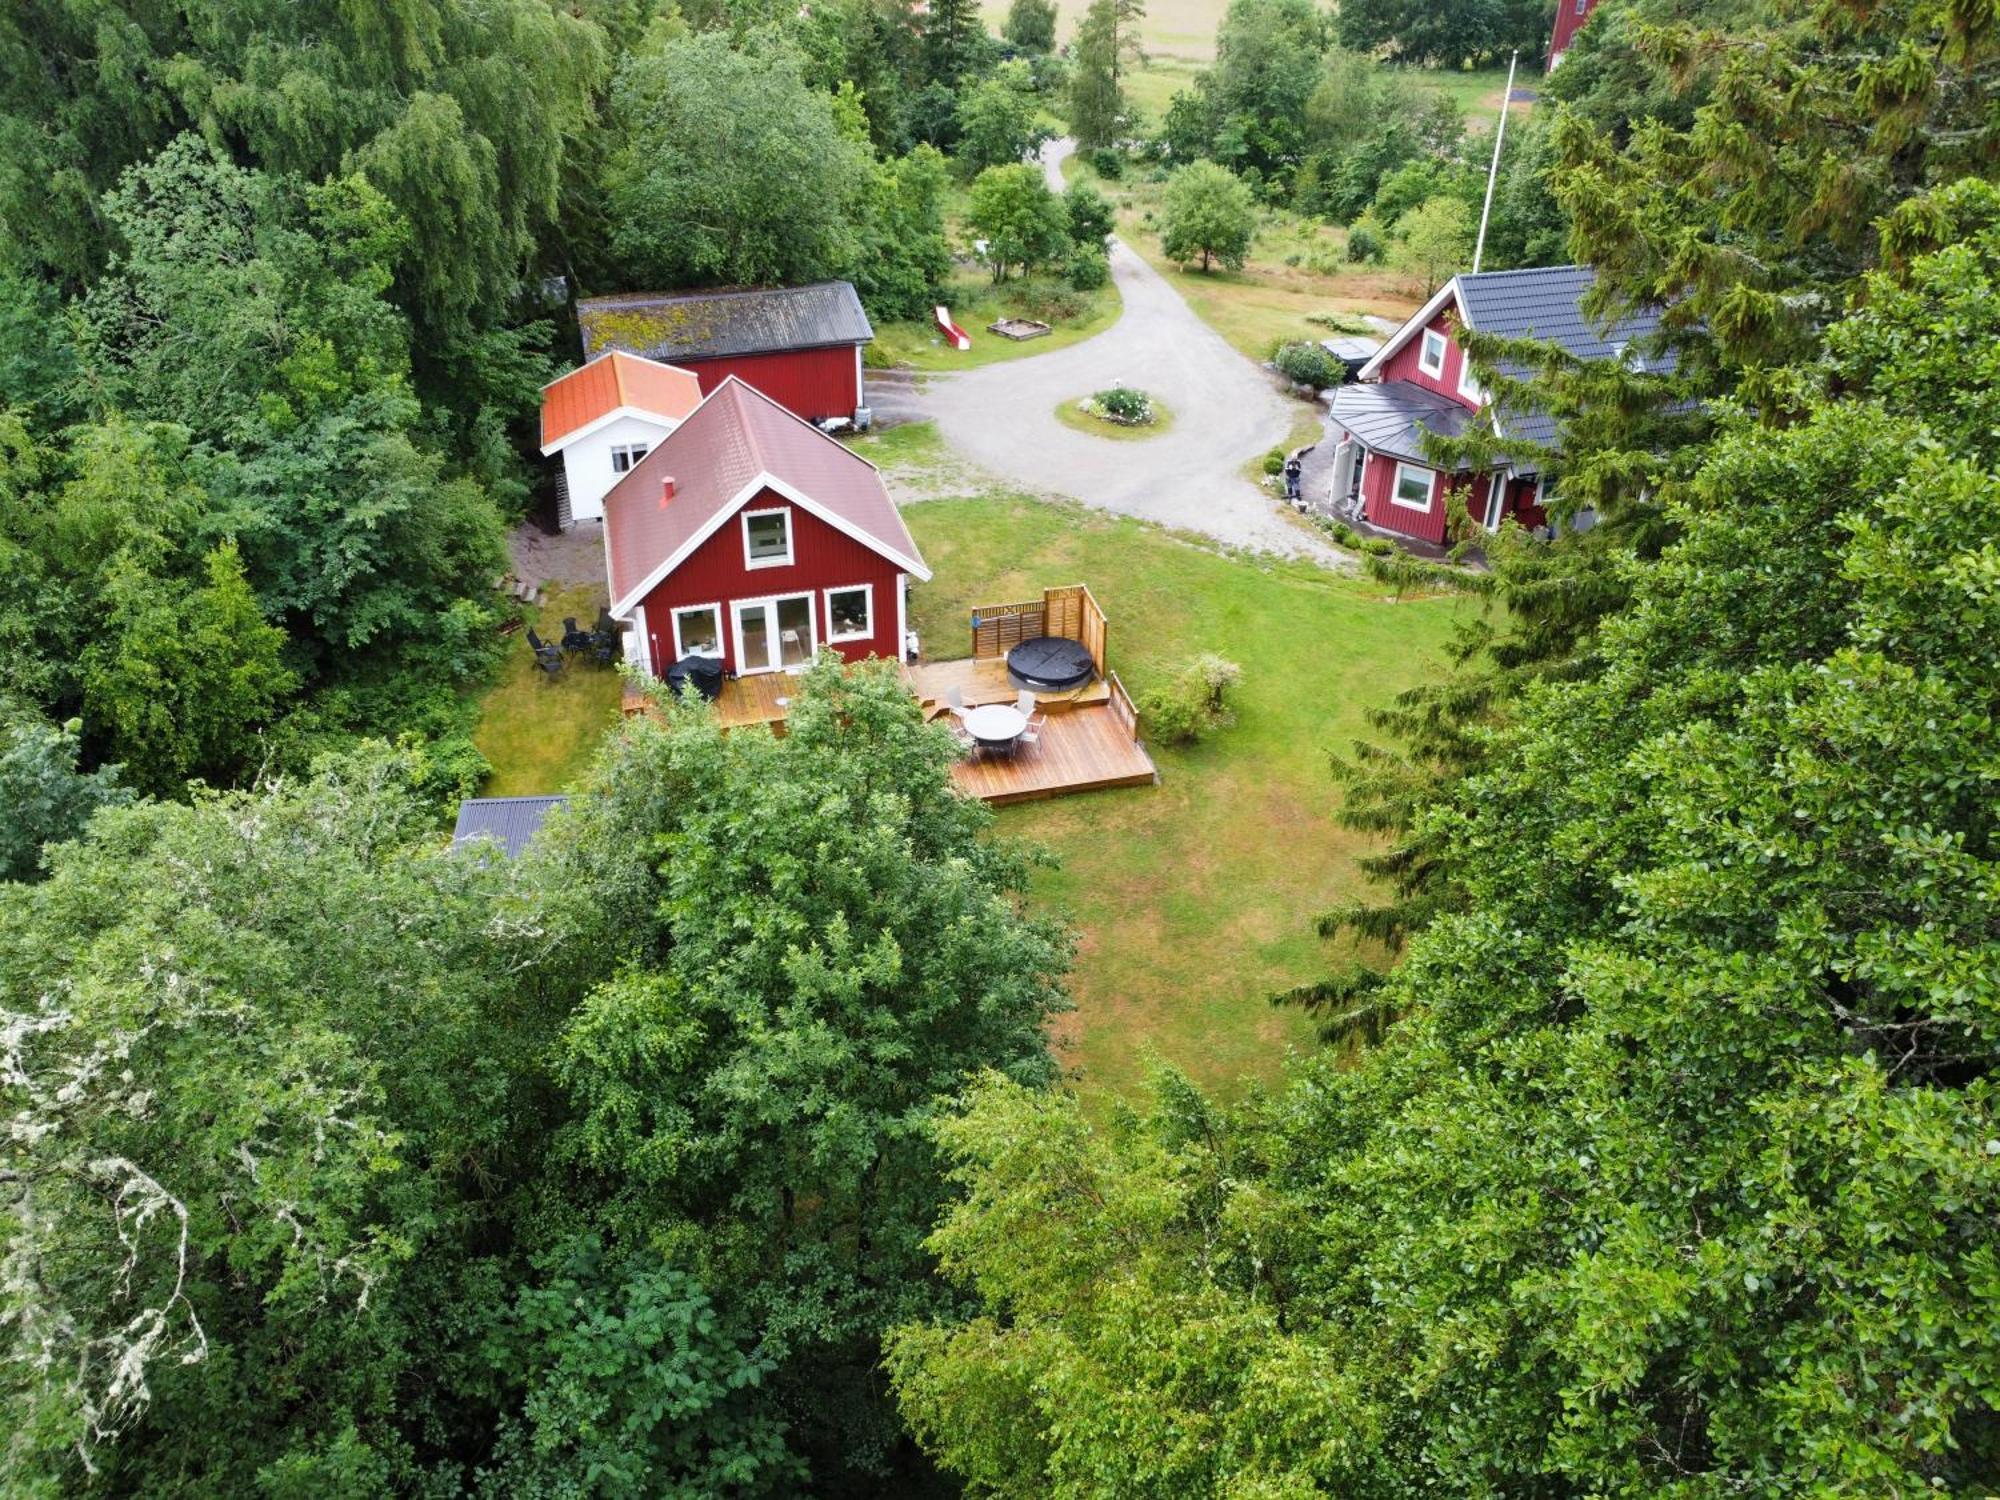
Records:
x=1025, y=702
x=954, y=699
x=547, y=657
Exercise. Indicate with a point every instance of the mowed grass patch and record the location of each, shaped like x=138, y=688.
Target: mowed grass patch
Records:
x=976, y=302
x=539, y=732
x=1194, y=899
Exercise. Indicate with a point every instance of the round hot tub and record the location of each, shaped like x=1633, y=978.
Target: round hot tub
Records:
x=1051, y=664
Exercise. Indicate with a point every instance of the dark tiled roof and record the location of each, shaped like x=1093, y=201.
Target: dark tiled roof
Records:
x=1392, y=416
x=511, y=821
x=1546, y=303
x=674, y=326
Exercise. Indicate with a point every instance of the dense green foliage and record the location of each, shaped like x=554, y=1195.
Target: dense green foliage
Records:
x=1207, y=214
x=1677, y=1177
x=346, y=1164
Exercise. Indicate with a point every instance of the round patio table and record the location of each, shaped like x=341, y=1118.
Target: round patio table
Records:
x=995, y=725
x=1051, y=663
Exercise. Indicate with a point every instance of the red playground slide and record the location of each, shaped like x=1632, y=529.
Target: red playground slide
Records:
x=960, y=339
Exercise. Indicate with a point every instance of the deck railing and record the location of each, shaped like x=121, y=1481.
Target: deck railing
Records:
x=1071, y=612
x=1121, y=706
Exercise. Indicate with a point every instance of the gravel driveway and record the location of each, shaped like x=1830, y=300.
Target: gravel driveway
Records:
x=1225, y=411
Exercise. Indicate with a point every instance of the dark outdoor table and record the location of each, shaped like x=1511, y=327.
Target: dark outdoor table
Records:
x=1051, y=663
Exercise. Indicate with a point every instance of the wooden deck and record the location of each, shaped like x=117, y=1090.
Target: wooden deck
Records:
x=986, y=681
x=1084, y=750
x=1088, y=742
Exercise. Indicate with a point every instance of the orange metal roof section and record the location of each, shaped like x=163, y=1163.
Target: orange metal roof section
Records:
x=595, y=390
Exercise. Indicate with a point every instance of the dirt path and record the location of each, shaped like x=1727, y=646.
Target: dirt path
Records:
x=1225, y=411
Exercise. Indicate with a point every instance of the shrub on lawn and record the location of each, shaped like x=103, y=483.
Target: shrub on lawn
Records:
x=1109, y=164
x=1123, y=404
x=1051, y=302
x=1364, y=246
x=1274, y=461
x=1308, y=364
x=1194, y=701
x=1088, y=269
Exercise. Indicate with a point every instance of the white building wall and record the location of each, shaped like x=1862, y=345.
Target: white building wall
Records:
x=587, y=462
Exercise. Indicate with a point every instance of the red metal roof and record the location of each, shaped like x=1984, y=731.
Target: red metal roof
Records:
x=610, y=381
x=735, y=437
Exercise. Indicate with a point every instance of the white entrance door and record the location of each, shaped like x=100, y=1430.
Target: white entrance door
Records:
x=773, y=634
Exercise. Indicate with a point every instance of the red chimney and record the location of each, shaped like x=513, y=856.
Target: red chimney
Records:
x=666, y=491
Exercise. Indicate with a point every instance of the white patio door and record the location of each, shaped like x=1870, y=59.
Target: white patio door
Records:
x=773, y=634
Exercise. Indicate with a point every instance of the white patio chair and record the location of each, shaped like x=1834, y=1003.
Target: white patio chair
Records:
x=1025, y=702
x=1032, y=735
x=954, y=699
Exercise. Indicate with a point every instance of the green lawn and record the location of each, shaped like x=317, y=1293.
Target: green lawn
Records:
x=975, y=302
x=538, y=732
x=1194, y=899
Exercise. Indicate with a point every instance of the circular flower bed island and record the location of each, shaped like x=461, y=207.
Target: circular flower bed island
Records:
x=1120, y=412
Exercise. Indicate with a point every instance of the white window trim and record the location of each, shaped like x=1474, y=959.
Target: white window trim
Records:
x=681, y=650
x=1468, y=385
x=767, y=562
x=1436, y=372
x=1430, y=487
x=867, y=591
x=635, y=452
x=736, y=607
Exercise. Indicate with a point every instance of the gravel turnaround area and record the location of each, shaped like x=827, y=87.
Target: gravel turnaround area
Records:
x=1226, y=411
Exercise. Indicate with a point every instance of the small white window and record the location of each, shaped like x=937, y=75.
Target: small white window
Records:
x=625, y=455
x=850, y=613
x=698, y=631
x=767, y=538
x=1468, y=383
x=1413, y=487
x=1583, y=7
x=1430, y=359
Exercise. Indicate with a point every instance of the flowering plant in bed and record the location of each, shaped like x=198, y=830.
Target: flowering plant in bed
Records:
x=1123, y=405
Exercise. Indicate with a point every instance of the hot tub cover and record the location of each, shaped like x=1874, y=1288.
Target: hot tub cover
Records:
x=1051, y=663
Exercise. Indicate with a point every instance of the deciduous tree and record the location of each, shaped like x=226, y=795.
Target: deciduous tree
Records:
x=1208, y=213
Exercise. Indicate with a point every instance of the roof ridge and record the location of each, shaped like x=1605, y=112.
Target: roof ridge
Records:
x=1523, y=271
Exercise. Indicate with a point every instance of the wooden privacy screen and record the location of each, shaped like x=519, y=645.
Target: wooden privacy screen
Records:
x=1070, y=612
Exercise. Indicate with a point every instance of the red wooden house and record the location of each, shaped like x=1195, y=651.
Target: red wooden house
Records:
x=799, y=345
x=1570, y=16
x=1420, y=383
x=749, y=535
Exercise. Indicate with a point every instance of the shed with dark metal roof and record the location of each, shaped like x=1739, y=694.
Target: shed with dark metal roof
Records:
x=508, y=821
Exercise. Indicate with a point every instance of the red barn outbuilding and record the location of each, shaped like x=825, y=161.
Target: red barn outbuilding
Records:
x=750, y=536
x=799, y=345
x=1570, y=16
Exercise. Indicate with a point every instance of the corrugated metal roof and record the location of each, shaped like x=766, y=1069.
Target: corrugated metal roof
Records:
x=1392, y=416
x=510, y=821
x=597, y=389
x=735, y=435
x=711, y=325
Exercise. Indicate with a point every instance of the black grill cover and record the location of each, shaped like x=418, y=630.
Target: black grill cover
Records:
x=705, y=672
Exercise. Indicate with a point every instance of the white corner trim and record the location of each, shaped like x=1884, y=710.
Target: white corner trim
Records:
x=1417, y=320
x=868, y=633
x=1430, y=487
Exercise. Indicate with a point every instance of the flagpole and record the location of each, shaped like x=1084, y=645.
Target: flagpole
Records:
x=1493, y=173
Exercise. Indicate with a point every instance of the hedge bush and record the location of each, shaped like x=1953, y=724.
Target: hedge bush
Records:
x=1193, y=703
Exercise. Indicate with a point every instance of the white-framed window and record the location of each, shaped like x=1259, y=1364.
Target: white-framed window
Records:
x=767, y=538
x=850, y=612
x=1468, y=383
x=625, y=456
x=1430, y=358
x=1412, y=489
x=1583, y=7
x=698, y=630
